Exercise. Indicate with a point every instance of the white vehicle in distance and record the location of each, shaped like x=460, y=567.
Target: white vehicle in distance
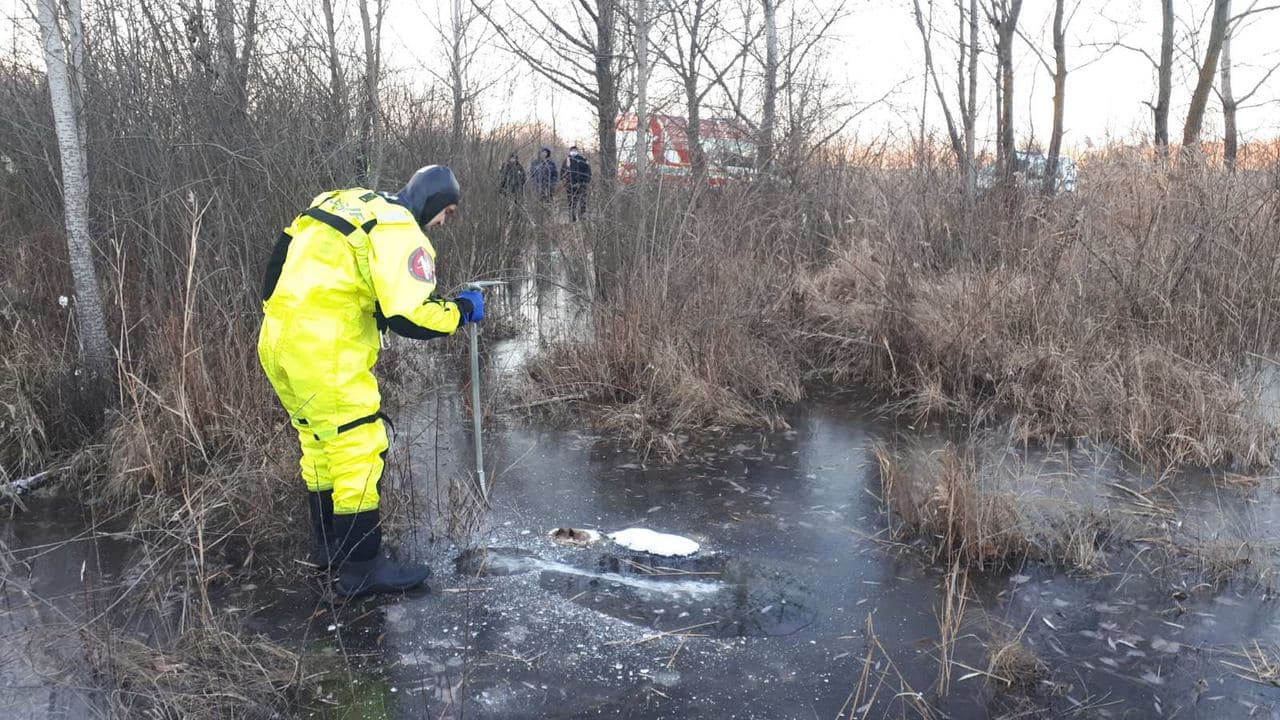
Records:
x=1029, y=170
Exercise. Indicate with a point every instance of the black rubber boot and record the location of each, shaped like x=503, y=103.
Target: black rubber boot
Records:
x=362, y=569
x=324, y=543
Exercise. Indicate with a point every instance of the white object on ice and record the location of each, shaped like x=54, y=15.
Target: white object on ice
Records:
x=655, y=543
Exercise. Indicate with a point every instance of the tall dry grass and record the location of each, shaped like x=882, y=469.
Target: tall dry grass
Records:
x=690, y=306
x=1135, y=311
x=971, y=512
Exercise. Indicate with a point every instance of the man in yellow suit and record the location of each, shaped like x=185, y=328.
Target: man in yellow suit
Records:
x=353, y=264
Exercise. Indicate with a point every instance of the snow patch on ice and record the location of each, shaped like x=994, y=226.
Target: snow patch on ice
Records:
x=655, y=543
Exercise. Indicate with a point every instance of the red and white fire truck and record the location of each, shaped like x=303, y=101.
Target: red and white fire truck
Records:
x=728, y=146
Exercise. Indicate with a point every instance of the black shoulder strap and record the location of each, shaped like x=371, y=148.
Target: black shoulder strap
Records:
x=275, y=265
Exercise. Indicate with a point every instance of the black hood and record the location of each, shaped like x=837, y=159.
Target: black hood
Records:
x=430, y=190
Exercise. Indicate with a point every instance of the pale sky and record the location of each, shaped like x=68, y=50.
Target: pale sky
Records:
x=874, y=53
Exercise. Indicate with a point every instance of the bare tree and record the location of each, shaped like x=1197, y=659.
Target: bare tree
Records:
x=1208, y=71
x=1230, y=138
x=1003, y=15
x=66, y=82
x=931, y=71
x=337, y=111
x=576, y=54
x=817, y=109
x=1059, y=70
x=969, y=99
x=234, y=56
x=800, y=39
x=1231, y=103
x=606, y=76
x=1164, y=79
x=1163, y=69
x=641, y=23
x=769, y=115
x=1059, y=97
x=694, y=26
x=962, y=134
x=459, y=32
x=458, y=65
x=371, y=30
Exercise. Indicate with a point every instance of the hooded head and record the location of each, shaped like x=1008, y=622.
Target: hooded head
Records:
x=430, y=190
x=545, y=152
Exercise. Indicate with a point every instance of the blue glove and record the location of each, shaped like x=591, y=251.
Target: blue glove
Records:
x=471, y=305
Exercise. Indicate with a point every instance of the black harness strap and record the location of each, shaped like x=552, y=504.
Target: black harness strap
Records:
x=373, y=417
x=336, y=222
x=275, y=265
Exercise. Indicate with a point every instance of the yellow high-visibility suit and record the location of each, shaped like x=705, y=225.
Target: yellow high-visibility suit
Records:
x=350, y=264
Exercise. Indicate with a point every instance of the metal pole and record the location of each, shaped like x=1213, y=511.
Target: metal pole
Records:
x=476, y=416
x=476, y=411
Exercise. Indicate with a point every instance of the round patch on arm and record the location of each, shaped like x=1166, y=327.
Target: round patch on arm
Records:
x=421, y=266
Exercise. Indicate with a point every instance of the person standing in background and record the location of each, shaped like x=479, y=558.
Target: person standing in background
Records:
x=513, y=178
x=544, y=175
x=577, y=178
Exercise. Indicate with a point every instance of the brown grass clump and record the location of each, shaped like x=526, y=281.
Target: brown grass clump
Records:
x=973, y=515
x=1011, y=662
x=1256, y=663
x=941, y=497
x=207, y=672
x=22, y=425
x=1216, y=563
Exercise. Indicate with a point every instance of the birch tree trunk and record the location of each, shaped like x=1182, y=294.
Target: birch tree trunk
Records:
x=1059, y=99
x=1230, y=137
x=65, y=81
x=971, y=110
x=693, y=131
x=75, y=38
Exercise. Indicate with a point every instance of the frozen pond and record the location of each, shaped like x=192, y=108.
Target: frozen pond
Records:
x=799, y=604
